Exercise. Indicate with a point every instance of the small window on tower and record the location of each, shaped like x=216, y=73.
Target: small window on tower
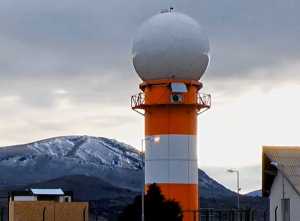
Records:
x=178, y=88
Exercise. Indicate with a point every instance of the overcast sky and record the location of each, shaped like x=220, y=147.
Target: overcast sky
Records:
x=65, y=68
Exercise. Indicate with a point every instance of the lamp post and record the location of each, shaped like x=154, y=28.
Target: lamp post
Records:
x=155, y=139
x=238, y=185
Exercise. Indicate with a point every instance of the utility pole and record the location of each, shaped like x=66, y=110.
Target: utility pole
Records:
x=238, y=185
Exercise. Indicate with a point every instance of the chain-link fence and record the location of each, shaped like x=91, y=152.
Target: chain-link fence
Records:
x=3, y=208
x=1, y=214
x=226, y=215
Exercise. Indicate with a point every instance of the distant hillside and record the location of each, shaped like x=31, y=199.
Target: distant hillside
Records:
x=108, y=200
x=256, y=193
x=104, y=171
x=110, y=161
x=86, y=188
x=107, y=159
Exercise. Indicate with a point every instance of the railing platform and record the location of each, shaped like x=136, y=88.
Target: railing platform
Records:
x=203, y=103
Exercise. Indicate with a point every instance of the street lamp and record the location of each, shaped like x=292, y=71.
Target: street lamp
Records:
x=155, y=139
x=238, y=185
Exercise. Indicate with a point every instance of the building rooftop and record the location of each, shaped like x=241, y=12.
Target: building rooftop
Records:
x=42, y=192
x=283, y=159
x=55, y=192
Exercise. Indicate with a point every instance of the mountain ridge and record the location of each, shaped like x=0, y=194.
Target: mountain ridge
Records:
x=110, y=160
x=105, y=172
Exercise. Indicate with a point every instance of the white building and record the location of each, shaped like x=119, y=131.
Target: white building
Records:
x=281, y=182
x=46, y=204
x=41, y=195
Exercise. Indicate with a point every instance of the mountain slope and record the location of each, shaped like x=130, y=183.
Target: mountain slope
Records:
x=256, y=193
x=209, y=188
x=86, y=188
x=108, y=160
x=96, y=150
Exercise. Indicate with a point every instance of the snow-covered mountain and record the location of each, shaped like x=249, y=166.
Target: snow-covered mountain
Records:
x=83, y=149
x=103, y=171
x=108, y=159
x=111, y=161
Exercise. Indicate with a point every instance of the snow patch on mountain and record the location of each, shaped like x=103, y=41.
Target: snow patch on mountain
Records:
x=112, y=161
x=85, y=149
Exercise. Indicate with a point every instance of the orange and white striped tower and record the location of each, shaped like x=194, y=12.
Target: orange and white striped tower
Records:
x=170, y=54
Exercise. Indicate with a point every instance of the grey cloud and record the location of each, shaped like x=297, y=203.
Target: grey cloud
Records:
x=85, y=47
x=93, y=121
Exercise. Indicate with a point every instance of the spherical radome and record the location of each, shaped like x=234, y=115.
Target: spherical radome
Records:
x=170, y=45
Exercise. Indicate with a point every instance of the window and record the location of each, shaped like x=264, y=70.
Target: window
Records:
x=178, y=88
x=285, y=209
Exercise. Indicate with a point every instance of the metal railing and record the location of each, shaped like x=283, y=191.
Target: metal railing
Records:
x=226, y=215
x=137, y=100
x=203, y=101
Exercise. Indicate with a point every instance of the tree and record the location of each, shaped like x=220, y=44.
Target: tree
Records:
x=157, y=208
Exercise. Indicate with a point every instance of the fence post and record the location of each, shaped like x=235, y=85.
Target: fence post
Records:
x=265, y=216
x=207, y=215
x=2, y=214
x=241, y=215
x=235, y=213
x=247, y=215
x=220, y=215
x=253, y=214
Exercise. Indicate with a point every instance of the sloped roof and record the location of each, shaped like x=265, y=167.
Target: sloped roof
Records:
x=283, y=159
x=55, y=192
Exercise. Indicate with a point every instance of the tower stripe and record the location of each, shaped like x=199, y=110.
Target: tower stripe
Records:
x=172, y=162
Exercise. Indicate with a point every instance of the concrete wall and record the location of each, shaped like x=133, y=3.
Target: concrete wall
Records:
x=25, y=198
x=71, y=211
x=276, y=196
x=48, y=211
x=31, y=211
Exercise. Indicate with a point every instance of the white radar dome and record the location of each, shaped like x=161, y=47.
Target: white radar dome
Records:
x=170, y=45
